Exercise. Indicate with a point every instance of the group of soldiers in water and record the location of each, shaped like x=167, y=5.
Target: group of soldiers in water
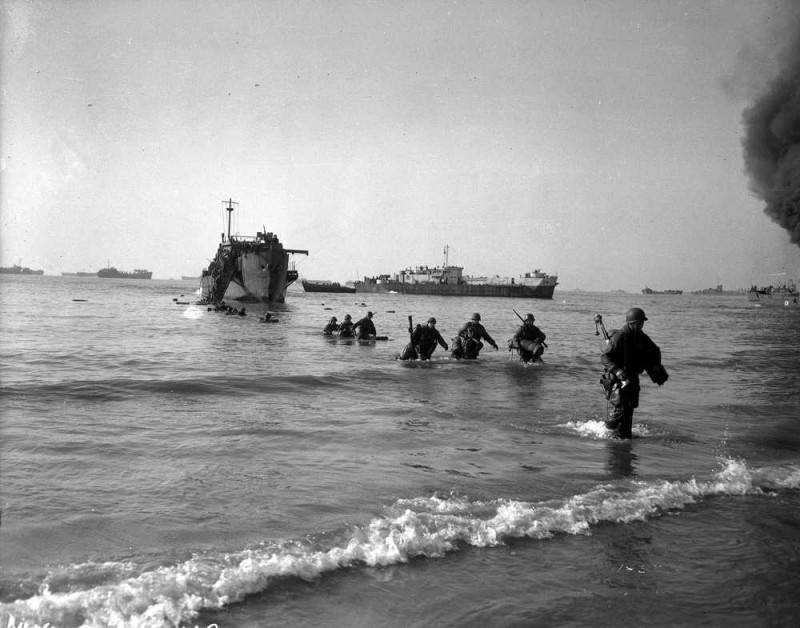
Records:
x=268, y=317
x=467, y=344
x=363, y=329
x=627, y=353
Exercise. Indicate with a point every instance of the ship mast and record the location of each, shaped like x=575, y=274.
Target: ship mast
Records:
x=446, y=254
x=230, y=207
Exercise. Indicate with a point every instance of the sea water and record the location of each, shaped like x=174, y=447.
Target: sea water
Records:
x=167, y=465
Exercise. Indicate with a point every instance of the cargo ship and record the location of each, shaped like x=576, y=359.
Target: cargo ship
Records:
x=112, y=273
x=251, y=268
x=647, y=290
x=325, y=286
x=450, y=281
x=16, y=269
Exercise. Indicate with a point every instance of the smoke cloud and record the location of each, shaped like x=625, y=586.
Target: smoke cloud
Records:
x=772, y=143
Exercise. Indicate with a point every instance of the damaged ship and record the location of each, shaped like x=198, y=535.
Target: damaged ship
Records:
x=247, y=268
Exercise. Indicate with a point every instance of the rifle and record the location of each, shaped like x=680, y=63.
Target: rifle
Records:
x=409, y=352
x=599, y=326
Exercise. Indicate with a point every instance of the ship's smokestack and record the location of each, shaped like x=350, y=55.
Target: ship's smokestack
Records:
x=772, y=143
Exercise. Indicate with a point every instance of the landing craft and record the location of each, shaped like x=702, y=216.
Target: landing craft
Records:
x=247, y=268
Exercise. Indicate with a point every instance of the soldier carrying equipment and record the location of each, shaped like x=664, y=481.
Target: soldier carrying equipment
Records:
x=626, y=353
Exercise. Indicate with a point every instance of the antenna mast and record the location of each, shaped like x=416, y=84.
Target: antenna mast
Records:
x=446, y=254
x=229, y=208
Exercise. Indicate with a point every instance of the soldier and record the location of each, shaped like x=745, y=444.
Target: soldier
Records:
x=331, y=327
x=346, y=328
x=424, y=339
x=468, y=343
x=529, y=340
x=366, y=328
x=628, y=352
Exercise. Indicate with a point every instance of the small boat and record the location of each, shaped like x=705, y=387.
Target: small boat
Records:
x=326, y=286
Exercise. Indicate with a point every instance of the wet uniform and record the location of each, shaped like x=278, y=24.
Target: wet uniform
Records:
x=366, y=328
x=627, y=354
x=468, y=343
x=529, y=331
x=346, y=329
x=424, y=340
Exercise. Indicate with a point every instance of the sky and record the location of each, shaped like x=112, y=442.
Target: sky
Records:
x=599, y=140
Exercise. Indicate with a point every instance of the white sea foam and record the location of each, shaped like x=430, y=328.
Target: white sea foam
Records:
x=596, y=428
x=193, y=312
x=422, y=526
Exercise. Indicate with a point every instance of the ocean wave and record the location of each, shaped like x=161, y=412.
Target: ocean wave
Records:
x=114, y=594
x=123, y=388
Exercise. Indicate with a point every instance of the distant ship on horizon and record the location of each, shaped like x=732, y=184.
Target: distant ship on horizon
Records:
x=323, y=285
x=17, y=269
x=784, y=293
x=447, y=280
x=112, y=273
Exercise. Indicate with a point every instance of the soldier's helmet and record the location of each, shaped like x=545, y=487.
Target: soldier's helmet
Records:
x=635, y=315
x=333, y=319
x=530, y=318
x=476, y=317
x=347, y=317
x=432, y=320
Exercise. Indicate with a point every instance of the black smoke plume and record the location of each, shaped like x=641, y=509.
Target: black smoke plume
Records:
x=772, y=144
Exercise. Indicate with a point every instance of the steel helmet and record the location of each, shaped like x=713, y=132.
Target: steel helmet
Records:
x=635, y=314
x=432, y=320
x=530, y=317
x=347, y=317
x=333, y=319
x=476, y=316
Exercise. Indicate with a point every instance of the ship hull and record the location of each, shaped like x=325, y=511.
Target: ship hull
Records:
x=260, y=274
x=776, y=298
x=515, y=291
x=113, y=273
x=19, y=270
x=312, y=286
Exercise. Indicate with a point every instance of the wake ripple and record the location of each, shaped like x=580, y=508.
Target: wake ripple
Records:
x=123, y=388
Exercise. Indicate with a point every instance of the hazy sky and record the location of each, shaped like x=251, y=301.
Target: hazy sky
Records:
x=601, y=140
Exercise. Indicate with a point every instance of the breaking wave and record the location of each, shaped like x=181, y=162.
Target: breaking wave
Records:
x=122, y=594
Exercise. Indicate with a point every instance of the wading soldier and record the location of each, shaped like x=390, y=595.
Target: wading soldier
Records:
x=627, y=353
